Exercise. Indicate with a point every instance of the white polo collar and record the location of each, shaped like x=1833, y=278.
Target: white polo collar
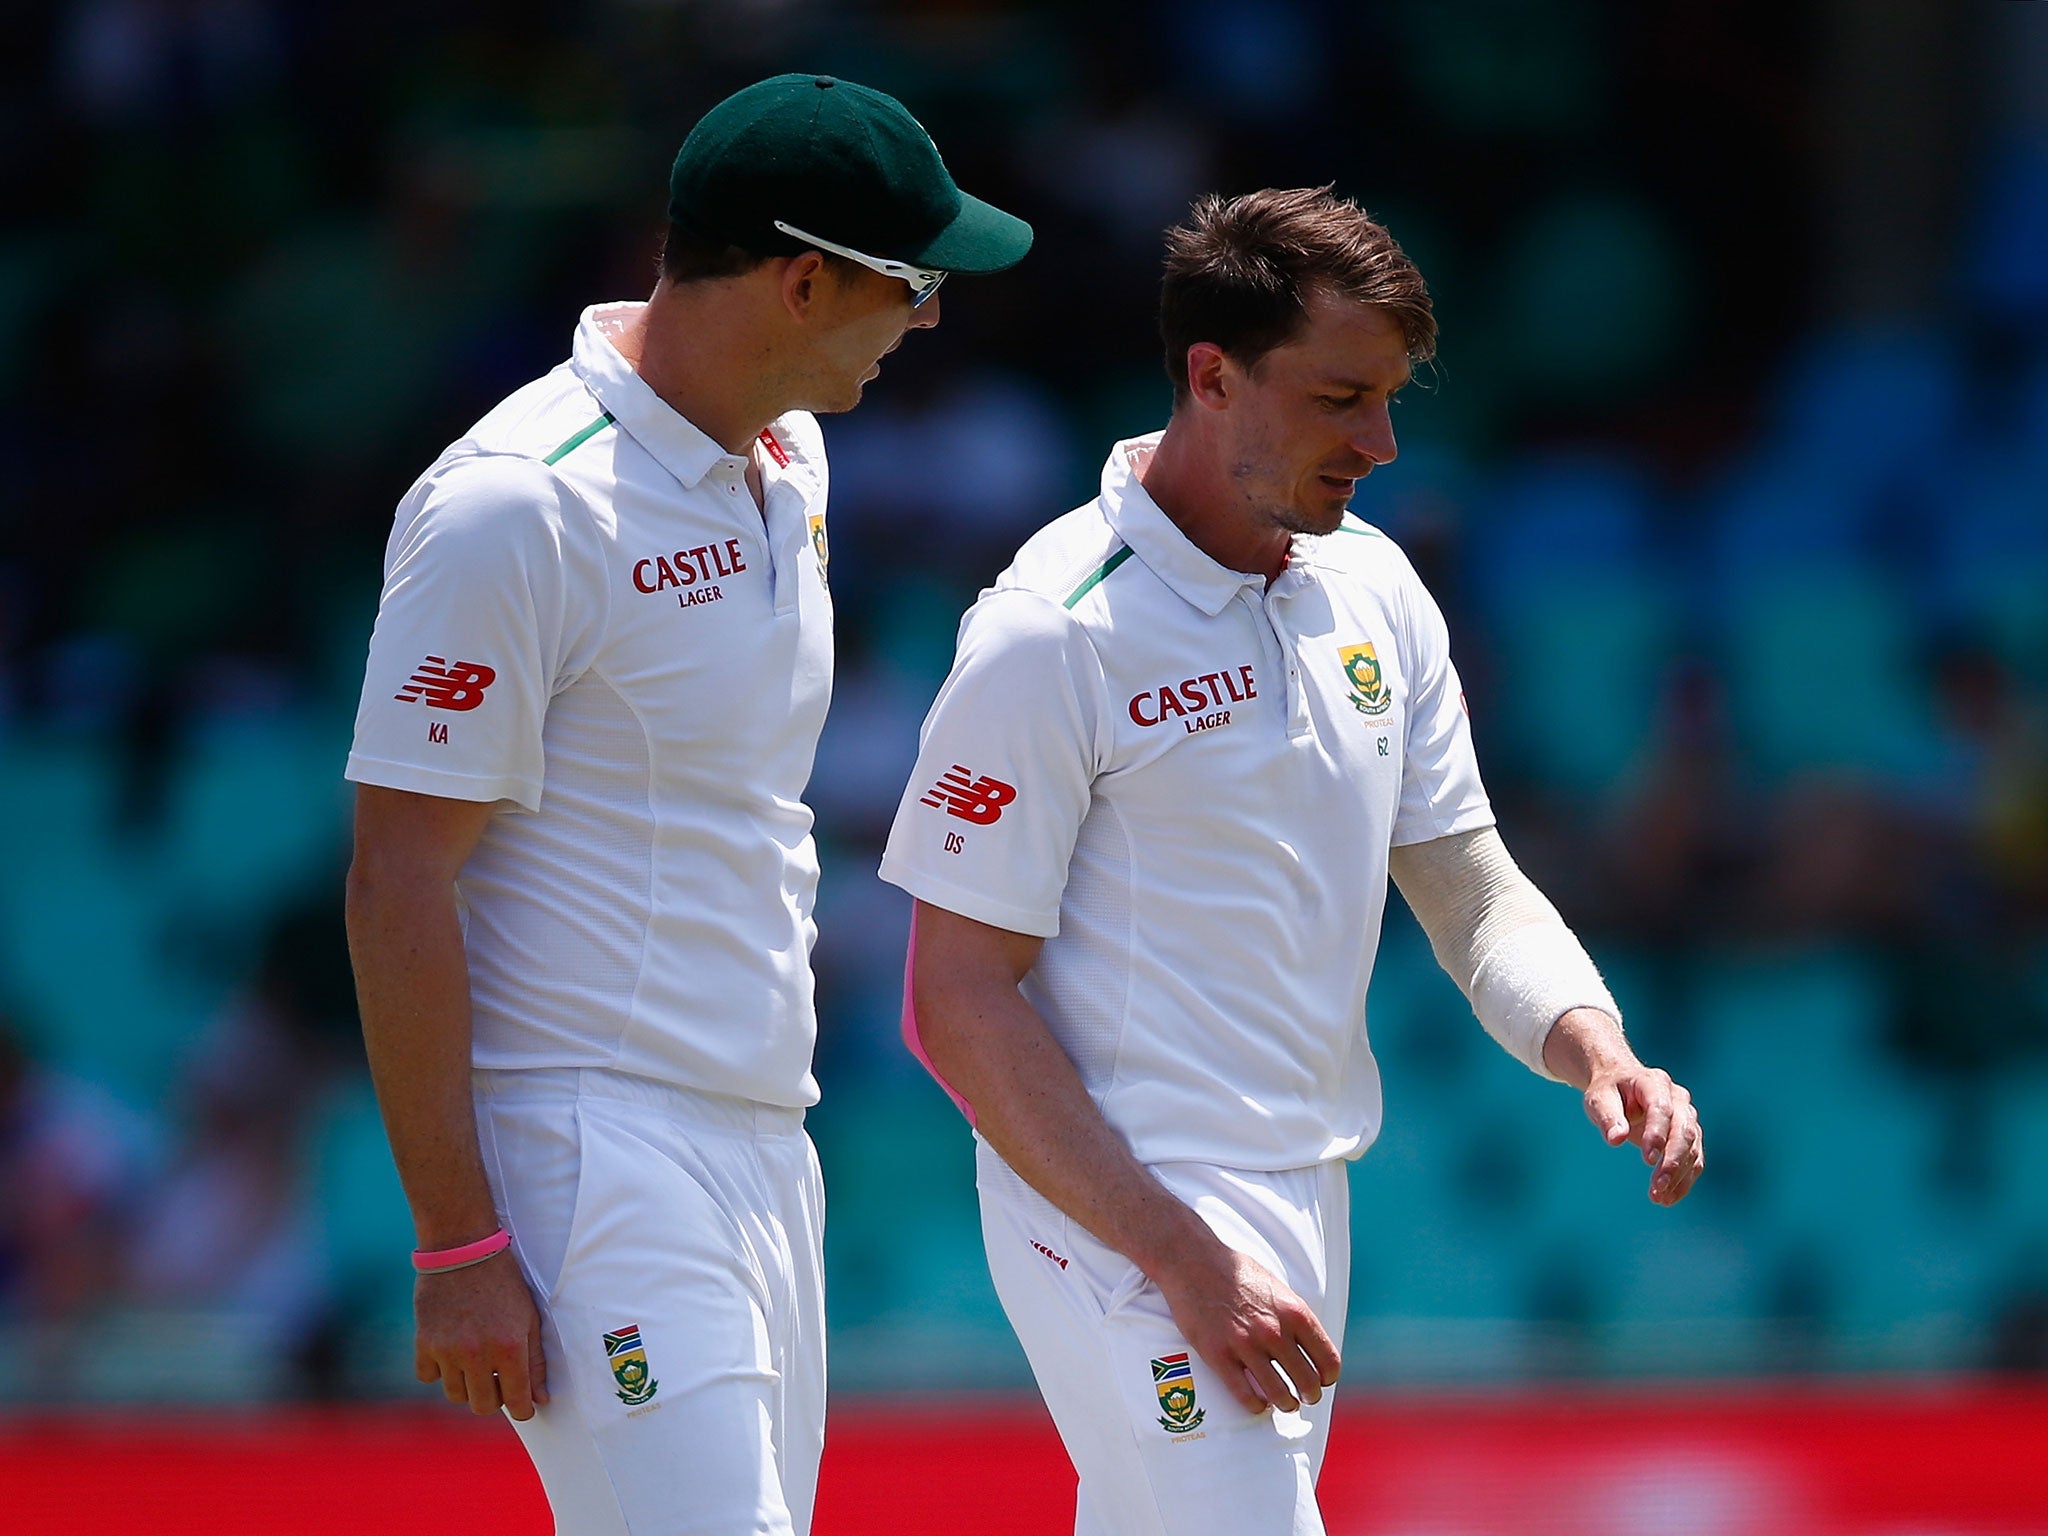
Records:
x=1157, y=540
x=654, y=424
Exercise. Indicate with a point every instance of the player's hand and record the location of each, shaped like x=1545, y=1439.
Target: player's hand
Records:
x=1260, y=1338
x=479, y=1336
x=1634, y=1103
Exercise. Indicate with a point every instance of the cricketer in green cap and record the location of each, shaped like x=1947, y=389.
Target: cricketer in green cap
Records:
x=620, y=1217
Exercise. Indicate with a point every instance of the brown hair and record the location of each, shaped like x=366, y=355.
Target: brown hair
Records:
x=1241, y=270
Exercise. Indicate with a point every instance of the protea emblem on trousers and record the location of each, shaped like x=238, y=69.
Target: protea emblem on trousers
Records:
x=629, y=1366
x=1174, y=1380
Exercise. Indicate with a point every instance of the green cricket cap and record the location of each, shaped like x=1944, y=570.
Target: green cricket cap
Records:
x=842, y=162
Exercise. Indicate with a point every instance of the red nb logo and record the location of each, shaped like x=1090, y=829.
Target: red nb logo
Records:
x=442, y=684
x=980, y=801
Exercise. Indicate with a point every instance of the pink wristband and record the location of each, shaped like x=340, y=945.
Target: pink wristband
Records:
x=440, y=1260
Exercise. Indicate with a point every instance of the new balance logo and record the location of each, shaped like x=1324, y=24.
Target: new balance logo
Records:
x=442, y=684
x=980, y=801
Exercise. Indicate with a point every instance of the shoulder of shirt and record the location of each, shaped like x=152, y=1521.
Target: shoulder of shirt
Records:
x=1067, y=562
x=1359, y=549
x=547, y=421
x=800, y=436
x=510, y=466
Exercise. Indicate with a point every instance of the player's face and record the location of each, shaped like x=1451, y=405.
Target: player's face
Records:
x=865, y=317
x=1312, y=420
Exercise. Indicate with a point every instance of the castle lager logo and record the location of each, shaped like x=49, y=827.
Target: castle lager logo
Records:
x=628, y=1359
x=1173, y=1378
x=1370, y=694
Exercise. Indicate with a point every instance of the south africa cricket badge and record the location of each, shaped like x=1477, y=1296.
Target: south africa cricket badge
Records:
x=629, y=1366
x=819, y=546
x=1174, y=1380
x=1370, y=695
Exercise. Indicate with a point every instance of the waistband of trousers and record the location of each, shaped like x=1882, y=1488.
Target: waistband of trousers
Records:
x=693, y=1107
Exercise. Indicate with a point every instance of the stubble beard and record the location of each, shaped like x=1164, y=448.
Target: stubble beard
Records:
x=1294, y=519
x=1279, y=511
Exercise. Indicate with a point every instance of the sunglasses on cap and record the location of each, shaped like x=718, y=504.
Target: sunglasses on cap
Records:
x=923, y=281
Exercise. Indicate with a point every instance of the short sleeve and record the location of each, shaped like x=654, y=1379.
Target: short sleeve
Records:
x=1006, y=764
x=1441, y=793
x=473, y=630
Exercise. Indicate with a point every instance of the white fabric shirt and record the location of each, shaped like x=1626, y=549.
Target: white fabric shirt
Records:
x=586, y=616
x=1187, y=784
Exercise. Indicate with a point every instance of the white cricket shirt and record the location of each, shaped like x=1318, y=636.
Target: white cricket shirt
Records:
x=586, y=616
x=1187, y=782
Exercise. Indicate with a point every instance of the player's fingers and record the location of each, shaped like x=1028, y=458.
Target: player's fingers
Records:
x=1682, y=1158
x=514, y=1385
x=1653, y=1092
x=424, y=1365
x=1223, y=1356
x=1243, y=1386
x=484, y=1396
x=1604, y=1109
x=454, y=1383
x=1683, y=1130
x=1301, y=1373
x=1307, y=1334
x=1253, y=1396
x=536, y=1363
x=1271, y=1385
x=518, y=1397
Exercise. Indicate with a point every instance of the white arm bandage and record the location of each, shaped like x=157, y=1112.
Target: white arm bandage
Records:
x=1500, y=940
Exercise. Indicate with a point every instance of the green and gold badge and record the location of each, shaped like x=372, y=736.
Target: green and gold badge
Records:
x=1370, y=693
x=1173, y=1378
x=818, y=544
x=629, y=1366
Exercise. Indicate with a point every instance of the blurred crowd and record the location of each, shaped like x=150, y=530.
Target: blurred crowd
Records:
x=1730, y=478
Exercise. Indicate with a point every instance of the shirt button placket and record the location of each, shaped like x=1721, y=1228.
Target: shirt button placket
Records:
x=1297, y=696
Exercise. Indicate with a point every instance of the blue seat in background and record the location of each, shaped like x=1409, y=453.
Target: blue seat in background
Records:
x=1421, y=1246
x=907, y=1281
x=1902, y=1248
x=1990, y=550
x=122, y=942
x=904, y=1236
x=2017, y=1123
x=1417, y=1022
x=1555, y=515
x=258, y=808
x=1579, y=616
x=1443, y=1221
x=1821, y=664
x=1841, y=1146
x=1775, y=508
x=1767, y=1017
x=1870, y=407
x=367, y=1226
x=86, y=946
x=1580, y=665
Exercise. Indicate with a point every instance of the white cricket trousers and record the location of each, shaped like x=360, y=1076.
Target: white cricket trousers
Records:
x=672, y=1240
x=1116, y=1372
